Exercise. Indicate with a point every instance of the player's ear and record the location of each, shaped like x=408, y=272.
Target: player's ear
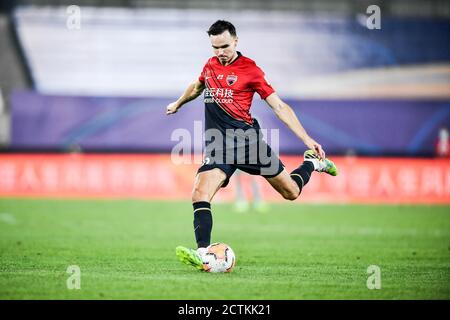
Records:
x=236, y=40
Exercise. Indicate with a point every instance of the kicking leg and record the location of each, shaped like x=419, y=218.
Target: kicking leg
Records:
x=285, y=185
x=290, y=185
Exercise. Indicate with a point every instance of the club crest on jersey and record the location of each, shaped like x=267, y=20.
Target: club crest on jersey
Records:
x=231, y=79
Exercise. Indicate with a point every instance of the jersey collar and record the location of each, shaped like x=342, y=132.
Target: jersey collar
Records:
x=239, y=54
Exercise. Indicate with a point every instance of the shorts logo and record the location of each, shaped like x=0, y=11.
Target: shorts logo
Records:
x=206, y=161
x=231, y=79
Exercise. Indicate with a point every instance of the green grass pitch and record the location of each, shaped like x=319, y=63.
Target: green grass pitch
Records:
x=125, y=249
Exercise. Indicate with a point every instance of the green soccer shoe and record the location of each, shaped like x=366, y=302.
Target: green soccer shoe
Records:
x=321, y=165
x=189, y=257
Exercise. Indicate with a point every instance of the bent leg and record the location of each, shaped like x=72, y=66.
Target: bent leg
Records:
x=285, y=185
x=290, y=185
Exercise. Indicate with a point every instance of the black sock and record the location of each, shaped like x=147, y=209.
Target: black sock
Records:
x=302, y=174
x=202, y=223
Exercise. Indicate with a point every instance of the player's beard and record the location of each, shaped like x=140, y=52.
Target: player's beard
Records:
x=225, y=59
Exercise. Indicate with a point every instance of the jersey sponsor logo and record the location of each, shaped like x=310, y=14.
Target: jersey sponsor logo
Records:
x=219, y=95
x=219, y=92
x=220, y=77
x=231, y=79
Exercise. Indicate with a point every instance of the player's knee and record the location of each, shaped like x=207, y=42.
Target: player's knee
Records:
x=199, y=195
x=291, y=193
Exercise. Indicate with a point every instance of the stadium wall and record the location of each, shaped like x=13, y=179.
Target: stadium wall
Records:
x=362, y=126
x=360, y=180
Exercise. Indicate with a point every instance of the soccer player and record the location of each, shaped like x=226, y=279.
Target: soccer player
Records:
x=230, y=80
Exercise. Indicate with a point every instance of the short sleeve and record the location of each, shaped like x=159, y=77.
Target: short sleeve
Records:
x=261, y=85
x=201, y=78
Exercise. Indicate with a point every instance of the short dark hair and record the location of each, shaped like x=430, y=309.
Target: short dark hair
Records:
x=221, y=26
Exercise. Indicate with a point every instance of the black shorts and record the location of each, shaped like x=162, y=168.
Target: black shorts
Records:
x=268, y=167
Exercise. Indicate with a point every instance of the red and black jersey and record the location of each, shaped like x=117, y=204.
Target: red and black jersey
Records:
x=229, y=92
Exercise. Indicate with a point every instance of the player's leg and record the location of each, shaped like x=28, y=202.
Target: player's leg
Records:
x=258, y=202
x=206, y=185
x=241, y=203
x=291, y=185
x=285, y=185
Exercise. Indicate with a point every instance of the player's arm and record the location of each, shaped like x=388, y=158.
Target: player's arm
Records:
x=285, y=113
x=194, y=89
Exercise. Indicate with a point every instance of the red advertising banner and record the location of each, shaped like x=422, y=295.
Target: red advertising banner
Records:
x=360, y=180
